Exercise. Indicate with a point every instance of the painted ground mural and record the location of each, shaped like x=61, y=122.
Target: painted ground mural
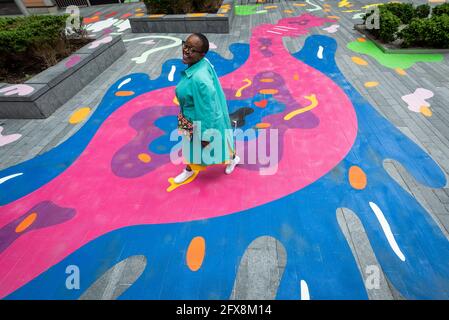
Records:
x=106, y=195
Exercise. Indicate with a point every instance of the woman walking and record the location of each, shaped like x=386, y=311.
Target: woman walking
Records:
x=204, y=117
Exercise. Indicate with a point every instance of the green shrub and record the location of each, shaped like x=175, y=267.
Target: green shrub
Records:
x=441, y=9
x=33, y=42
x=389, y=25
x=422, y=11
x=404, y=11
x=432, y=32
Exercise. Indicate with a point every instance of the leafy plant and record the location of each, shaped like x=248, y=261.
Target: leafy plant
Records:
x=422, y=11
x=441, y=10
x=389, y=25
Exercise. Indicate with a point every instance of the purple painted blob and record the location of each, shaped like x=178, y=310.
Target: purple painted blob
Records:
x=48, y=214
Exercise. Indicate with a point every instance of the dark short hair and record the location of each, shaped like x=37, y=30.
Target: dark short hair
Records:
x=204, y=42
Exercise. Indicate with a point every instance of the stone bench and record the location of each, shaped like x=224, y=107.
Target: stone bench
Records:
x=219, y=22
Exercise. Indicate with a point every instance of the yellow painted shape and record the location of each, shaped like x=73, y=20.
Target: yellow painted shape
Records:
x=124, y=93
x=271, y=7
x=156, y=15
x=371, y=84
x=175, y=101
x=26, y=223
x=313, y=103
x=400, y=71
x=426, y=111
x=288, y=11
x=174, y=185
x=79, y=115
x=239, y=91
x=266, y=80
x=144, y=157
x=359, y=61
x=139, y=9
x=351, y=10
x=326, y=5
x=139, y=14
x=357, y=178
x=196, y=14
x=220, y=14
x=299, y=4
x=333, y=17
x=263, y=125
x=268, y=91
x=196, y=253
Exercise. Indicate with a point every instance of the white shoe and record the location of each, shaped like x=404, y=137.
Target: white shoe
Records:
x=183, y=176
x=230, y=167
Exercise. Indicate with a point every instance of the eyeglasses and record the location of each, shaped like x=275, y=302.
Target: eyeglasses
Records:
x=188, y=49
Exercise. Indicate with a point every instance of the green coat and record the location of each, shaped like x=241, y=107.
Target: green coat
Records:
x=203, y=102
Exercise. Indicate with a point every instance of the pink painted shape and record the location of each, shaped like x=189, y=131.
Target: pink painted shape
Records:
x=99, y=42
x=4, y=140
x=417, y=99
x=19, y=89
x=332, y=29
x=105, y=202
x=72, y=61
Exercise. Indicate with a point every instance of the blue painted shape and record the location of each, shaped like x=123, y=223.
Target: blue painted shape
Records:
x=44, y=168
x=304, y=222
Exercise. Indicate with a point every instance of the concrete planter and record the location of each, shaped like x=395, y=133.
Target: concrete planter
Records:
x=40, y=96
x=387, y=48
x=219, y=22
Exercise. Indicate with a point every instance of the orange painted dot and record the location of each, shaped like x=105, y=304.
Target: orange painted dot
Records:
x=288, y=11
x=299, y=4
x=359, y=61
x=268, y=91
x=262, y=103
x=333, y=17
x=26, y=223
x=296, y=77
x=361, y=39
x=175, y=101
x=124, y=93
x=91, y=19
x=144, y=157
x=371, y=84
x=266, y=80
x=426, y=111
x=400, y=71
x=195, y=253
x=326, y=10
x=263, y=125
x=156, y=15
x=220, y=14
x=79, y=115
x=139, y=14
x=357, y=178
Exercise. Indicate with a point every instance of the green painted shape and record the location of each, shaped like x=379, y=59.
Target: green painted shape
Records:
x=247, y=10
x=393, y=60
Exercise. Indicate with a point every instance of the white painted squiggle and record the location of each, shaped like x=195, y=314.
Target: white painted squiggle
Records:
x=127, y=80
x=316, y=7
x=4, y=179
x=305, y=295
x=320, y=53
x=387, y=230
x=171, y=74
x=143, y=57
